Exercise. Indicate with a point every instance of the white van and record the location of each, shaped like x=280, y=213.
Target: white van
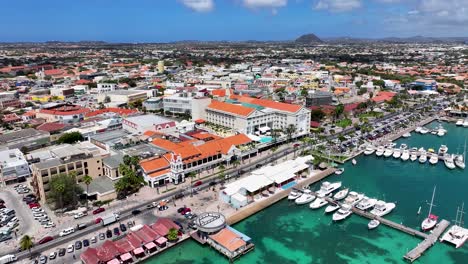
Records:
x=67, y=231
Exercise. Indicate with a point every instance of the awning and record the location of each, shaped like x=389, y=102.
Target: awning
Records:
x=264, y=129
x=138, y=251
x=150, y=245
x=113, y=261
x=161, y=240
x=162, y=203
x=126, y=257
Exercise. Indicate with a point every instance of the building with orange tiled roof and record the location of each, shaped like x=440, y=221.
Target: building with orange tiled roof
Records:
x=63, y=113
x=249, y=115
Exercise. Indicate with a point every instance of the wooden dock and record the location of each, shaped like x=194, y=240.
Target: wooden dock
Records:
x=431, y=239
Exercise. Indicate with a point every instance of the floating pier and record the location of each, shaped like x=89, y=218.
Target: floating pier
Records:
x=432, y=238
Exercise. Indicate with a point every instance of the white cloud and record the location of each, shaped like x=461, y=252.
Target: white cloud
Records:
x=445, y=11
x=199, y=5
x=265, y=3
x=338, y=5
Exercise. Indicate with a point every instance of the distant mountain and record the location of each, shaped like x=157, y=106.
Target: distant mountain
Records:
x=308, y=39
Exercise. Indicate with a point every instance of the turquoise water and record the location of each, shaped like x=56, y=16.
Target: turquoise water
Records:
x=286, y=233
x=265, y=139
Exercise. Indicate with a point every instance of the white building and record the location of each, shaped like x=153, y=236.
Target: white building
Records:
x=142, y=123
x=186, y=103
x=105, y=87
x=13, y=165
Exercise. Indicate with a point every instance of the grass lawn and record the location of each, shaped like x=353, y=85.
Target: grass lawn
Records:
x=344, y=123
x=371, y=114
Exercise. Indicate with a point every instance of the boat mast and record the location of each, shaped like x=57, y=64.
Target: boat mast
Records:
x=432, y=202
x=459, y=217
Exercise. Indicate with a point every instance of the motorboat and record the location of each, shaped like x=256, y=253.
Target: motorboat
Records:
x=407, y=135
x=465, y=123
x=460, y=161
x=448, y=160
x=319, y=202
x=342, y=213
x=339, y=171
x=353, y=198
x=354, y=162
x=332, y=208
x=369, y=150
x=440, y=133
x=434, y=132
x=430, y=150
x=424, y=131
x=373, y=224
x=294, y=194
x=403, y=146
x=380, y=151
x=405, y=155
x=327, y=188
x=382, y=208
x=366, y=203
x=443, y=149
x=306, y=197
x=341, y=194
x=421, y=149
x=434, y=159
x=459, y=122
x=418, y=129
x=423, y=157
x=397, y=153
x=388, y=152
x=413, y=156
x=431, y=220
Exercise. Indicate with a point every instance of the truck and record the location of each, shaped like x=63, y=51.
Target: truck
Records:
x=7, y=259
x=110, y=219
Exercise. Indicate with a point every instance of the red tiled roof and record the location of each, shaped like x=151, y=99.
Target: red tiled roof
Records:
x=231, y=108
x=119, y=111
x=228, y=239
x=65, y=110
x=89, y=256
x=314, y=124
x=162, y=226
x=83, y=81
x=147, y=234
x=54, y=72
x=155, y=164
x=107, y=251
x=219, y=92
x=123, y=245
x=293, y=108
x=51, y=127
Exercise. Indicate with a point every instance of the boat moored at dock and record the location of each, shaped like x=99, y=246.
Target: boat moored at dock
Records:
x=341, y=194
x=380, y=151
x=353, y=198
x=369, y=150
x=306, y=197
x=327, y=188
x=382, y=208
x=319, y=202
x=373, y=224
x=388, y=152
x=294, y=194
x=342, y=213
x=448, y=160
x=366, y=203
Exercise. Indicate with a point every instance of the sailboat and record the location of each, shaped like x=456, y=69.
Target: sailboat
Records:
x=460, y=159
x=431, y=220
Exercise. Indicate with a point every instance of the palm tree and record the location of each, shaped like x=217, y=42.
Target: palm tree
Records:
x=236, y=163
x=87, y=180
x=221, y=167
x=191, y=175
x=26, y=243
x=60, y=189
x=290, y=130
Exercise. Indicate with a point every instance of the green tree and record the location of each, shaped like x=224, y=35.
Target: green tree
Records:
x=130, y=181
x=290, y=130
x=275, y=134
x=64, y=189
x=173, y=234
x=70, y=138
x=339, y=109
x=87, y=180
x=26, y=243
x=317, y=115
x=358, y=84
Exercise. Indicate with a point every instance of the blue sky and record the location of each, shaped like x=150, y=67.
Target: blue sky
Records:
x=172, y=20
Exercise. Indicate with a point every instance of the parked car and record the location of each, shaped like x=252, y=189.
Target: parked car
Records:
x=33, y=205
x=136, y=211
x=79, y=215
x=123, y=228
x=102, y=236
x=94, y=239
x=85, y=243
x=45, y=240
x=108, y=234
x=99, y=210
x=67, y=231
x=42, y=259
x=98, y=220
x=198, y=183
x=70, y=248
x=78, y=245
x=61, y=252
x=53, y=255
x=116, y=231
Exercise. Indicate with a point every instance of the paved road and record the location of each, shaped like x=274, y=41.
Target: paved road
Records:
x=127, y=214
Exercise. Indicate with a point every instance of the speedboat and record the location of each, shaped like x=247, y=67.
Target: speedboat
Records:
x=332, y=208
x=434, y=159
x=369, y=150
x=421, y=149
x=388, y=152
x=341, y=194
x=366, y=203
x=443, y=149
x=306, y=197
x=339, y=171
x=342, y=213
x=354, y=162
x=460, y=161
x=373, y=224
x=294, y=194
x=429, y=223
x=405, y=155
x=397, y=153
x=459, y=122
x=423, y=157
x=353, y=198
x=434, y=132
x=448, y=160
x=407, y=135
x=380, y=151
x=424, y=131
x=319, y=202
x=382, y=208
x=418, y=129
x=413, y=156
x=327, y=188
x=440, y=133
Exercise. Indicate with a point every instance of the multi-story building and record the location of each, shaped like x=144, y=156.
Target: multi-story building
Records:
x=28, y=138
x=186, y=103
x=13, y=165
x=105, y=87
x=142, y=123
x=256, y=116
x=63, y=113
x=9, y=102
x=82, y=159
x=317, y=98
x=123, y=97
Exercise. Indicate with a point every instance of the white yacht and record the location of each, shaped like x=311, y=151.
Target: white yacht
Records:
x=424, y=131
x=319, y=202
x=388, y=152
x=306, y=197
x=465, y=123
x=405, y=155
x=443, y=149
x=421, y=149
x=380, y=151
x=418, y=129
x=440, y=133
x=431, y=220
x=327, y=188
x=460, y=161
x=459, y=122
x=397, y=153
x=373, y=224
x=407, y=135
x=366, y=203
x=369, y=150
x=382, y=208
x=434, y=159
x=332, y=208
x=413, y=156
x=448, y=160
x=341, y=194
x=423, y=157
x=339, y=171
x=294, y=194
x=342, y=213
x=353, y=198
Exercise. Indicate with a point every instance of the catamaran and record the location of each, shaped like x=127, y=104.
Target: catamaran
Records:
x=431, y=220
x=457, y=235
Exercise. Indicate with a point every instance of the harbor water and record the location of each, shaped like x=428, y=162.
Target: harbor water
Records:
x=286, y=233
